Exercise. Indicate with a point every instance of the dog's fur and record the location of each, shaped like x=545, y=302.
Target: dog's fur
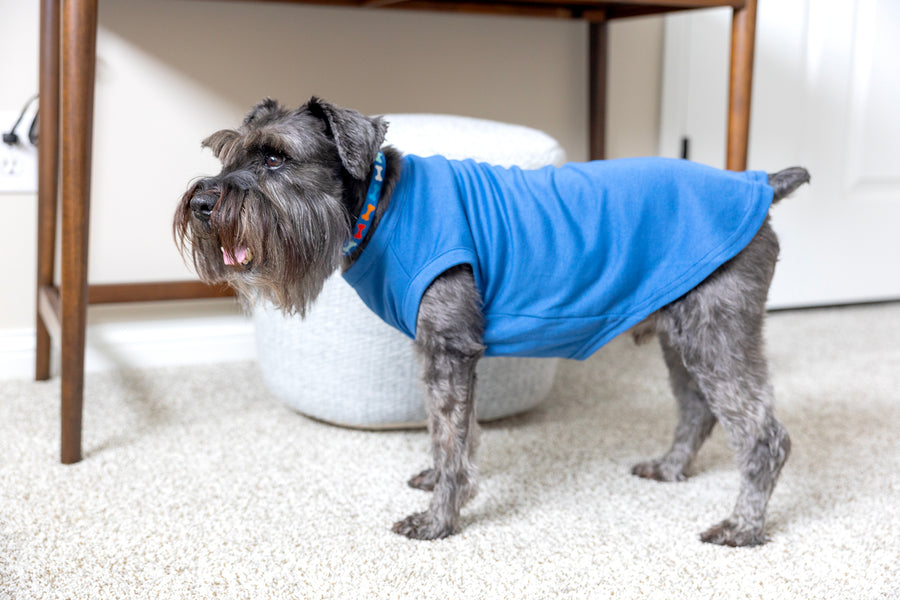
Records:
x=292, y=181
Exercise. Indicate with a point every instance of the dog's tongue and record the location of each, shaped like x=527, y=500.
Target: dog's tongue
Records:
x=239, y=258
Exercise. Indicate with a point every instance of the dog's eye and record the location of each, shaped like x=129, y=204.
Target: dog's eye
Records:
x=274, y=160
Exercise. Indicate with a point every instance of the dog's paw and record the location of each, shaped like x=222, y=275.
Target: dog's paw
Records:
x=422, y=526
x=728, y=533
x=659, y=470
x=425, y=480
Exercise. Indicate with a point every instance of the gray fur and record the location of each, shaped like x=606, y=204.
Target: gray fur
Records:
x=294, y=218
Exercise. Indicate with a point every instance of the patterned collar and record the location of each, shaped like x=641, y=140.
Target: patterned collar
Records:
x=367, y=214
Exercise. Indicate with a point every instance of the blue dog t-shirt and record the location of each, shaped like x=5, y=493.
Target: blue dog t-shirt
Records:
x=565, y=258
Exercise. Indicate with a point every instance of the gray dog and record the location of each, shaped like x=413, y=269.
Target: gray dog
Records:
x=472, y=260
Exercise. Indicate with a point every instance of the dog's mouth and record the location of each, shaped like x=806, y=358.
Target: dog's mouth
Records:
x=240, y=256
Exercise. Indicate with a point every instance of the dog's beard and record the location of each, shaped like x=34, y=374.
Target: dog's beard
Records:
x=268, y=244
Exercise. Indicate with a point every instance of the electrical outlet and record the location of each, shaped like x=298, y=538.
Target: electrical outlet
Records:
x=18, y=163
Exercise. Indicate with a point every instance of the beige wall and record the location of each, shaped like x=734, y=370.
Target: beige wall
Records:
x=170, y=72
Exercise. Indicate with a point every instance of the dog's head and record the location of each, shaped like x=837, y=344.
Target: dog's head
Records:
x=272, y=222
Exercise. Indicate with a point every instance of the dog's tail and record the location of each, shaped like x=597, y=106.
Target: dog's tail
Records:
x=785, y=182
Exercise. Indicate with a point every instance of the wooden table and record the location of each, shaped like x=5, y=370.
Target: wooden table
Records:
x=68, y=38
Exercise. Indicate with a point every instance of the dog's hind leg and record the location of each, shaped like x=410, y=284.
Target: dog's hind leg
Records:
x=449, y=342
x=695, y=422
x=760, y=442
x=717, y=330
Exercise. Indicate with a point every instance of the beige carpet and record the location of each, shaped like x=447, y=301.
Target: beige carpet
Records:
x=197, y=484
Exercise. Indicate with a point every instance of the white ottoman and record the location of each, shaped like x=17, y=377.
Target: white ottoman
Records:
x=343, y=365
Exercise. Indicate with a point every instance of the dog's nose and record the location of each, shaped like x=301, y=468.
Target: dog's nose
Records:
x=202, y=204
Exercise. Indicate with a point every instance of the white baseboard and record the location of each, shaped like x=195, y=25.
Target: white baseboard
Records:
x=140, y=345
x=16, y=353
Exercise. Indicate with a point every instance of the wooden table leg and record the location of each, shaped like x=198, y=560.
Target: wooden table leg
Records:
x=597, y=61
x=48, y=173
x=79, y=40
x=743, y=40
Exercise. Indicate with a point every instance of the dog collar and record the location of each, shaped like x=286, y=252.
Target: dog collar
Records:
x=367, y=214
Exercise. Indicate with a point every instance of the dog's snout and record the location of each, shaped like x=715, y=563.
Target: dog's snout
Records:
x=202, y=204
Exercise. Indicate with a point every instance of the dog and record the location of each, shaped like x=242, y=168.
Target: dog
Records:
x=305, y=192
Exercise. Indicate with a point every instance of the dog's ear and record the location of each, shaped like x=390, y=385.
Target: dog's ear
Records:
x=221, y=142
x=267, y=108
x=357, y=137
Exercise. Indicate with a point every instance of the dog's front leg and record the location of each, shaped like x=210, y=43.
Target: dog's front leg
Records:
x=449, y=343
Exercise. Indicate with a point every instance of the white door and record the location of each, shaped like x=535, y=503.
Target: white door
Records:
x=826, y=95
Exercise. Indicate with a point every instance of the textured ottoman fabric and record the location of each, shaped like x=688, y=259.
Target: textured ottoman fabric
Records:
x=343, y=365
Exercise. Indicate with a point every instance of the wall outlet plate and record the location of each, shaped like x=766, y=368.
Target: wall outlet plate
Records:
x=18, y=163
